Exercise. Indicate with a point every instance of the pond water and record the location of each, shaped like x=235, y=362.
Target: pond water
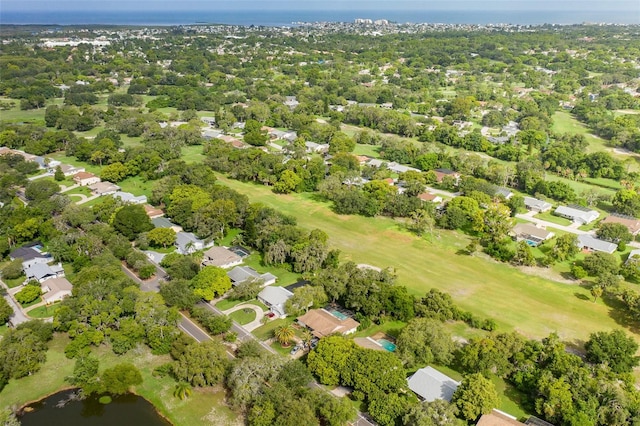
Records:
x=63, y=409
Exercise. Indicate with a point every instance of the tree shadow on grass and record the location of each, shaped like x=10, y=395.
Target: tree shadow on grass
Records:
x=620, y=314
x=581, y=296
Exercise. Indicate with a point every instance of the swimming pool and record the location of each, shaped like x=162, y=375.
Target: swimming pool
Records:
x=390, y=346
x=338, y=315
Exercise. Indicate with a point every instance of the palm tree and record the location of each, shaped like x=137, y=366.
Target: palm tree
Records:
x=306, y=337
x=284, y=334
x=182, y=390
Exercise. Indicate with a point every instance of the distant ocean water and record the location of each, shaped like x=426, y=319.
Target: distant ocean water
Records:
x=287, y=17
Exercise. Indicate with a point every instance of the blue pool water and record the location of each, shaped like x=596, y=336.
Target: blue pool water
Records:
x=339, y=315
x=390, y=346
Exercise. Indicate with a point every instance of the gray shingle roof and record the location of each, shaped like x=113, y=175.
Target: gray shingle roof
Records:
x=430, y=384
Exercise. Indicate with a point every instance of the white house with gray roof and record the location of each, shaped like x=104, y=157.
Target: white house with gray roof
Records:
x=534, y=204
x=128, y=197
x=187, y=243
x=577, y=214
x=240, y=274
x=589, y=242
x=430, y=384
x=275, y=298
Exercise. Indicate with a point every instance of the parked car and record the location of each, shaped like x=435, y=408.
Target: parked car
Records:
x=295, y=349
x=314, y=343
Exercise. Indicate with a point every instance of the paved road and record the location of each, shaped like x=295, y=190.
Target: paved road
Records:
x=18, y=316
x=192, y=329
x=570, y=228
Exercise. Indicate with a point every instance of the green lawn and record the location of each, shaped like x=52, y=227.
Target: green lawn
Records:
x=368, y=150
x=192, y=154
x=137, y=186
x=285, y=277
x=43, y=311
x=35, y=302
x=243, y=316
x=62, y=157
x=529, y=304
x=225, y=304
x=14, y=282
x=564, y=122
x=265, y=331
x=550, y=217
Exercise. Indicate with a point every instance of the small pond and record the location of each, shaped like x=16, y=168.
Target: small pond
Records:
x=64, y=408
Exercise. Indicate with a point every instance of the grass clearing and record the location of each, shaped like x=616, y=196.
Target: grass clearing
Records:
x=285, y=276
x=368, y=150
x=137, y=186
x=243, y=316
x=550, y=217
x=192, y=154
x=529, y=304
x=43, y=311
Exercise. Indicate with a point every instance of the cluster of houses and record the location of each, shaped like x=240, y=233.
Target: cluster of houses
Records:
x=39, y=266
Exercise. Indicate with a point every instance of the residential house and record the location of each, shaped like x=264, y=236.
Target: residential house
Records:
x=503, y=192
x=577, y=214
x=41, y=272
x=210, y=133
x=428, y=197
x=275, y=298
x=240, y=274
x=375, y=162
x=442, y=173
x=312, y=147
x=187, y=243
x=632, y=224
x=634, y=256
x=534, y=421
x=323, y=323
x=235, y=142
x=221, y=257
x=128, y=197
x=55, y=289
x=399, y=168
x=211, y=121
x=29, y=263
x=70, y=170
x=530, y=233
x=104, y=188
x=85, y=178
x=153, y=212
x=29, y=252
x=291, y=102
x=536, y=205
x=430, y=384
x=591, y=243
x=498, y=418
x=163, y=222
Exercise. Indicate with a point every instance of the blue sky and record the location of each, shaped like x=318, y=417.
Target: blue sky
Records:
x=44, y=5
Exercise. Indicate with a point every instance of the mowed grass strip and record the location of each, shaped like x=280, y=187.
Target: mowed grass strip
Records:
x=531, y=305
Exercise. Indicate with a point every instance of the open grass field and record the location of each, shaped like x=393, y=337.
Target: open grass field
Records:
x=368, y=150
x=532, y=305
x=550, y=217
x=204, y=407
x=564, y=122
x=43, y=311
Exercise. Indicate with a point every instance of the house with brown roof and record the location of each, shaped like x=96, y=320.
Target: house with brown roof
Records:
x=428, y=197
x=69, y=170
x=85, y=178
x=442, y=173
x=220, y=257
x=530, y=233
x=632, y=224
x=153, y=212
x=104, y=188
x=55, y=289
x=498, y=418
x=323, y=323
